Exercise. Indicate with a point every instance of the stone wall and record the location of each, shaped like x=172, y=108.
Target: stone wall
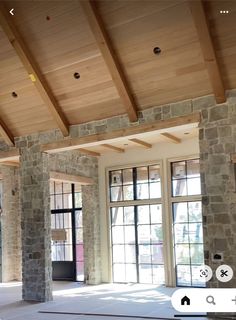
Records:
x=10, y=225
x=217, y=138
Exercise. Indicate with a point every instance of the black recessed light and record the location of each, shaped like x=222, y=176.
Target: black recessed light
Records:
x=157, y=50
x=76, y=75
x=14, y=94
x=186, y=132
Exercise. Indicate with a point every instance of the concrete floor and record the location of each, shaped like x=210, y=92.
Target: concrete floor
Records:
x=71, y=297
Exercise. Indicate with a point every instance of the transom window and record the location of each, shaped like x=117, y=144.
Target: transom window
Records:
x=135, y=183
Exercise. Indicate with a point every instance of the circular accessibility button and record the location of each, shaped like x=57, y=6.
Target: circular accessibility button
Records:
x=204, y=273
x=224, y=273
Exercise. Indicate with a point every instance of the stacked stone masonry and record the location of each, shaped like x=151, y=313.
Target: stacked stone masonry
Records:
x=10, y=225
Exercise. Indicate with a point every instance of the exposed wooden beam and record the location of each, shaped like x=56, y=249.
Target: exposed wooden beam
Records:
x=208, y=51
x=32, y=69
x=141, y=143
x=111, y=147
x=89, y=152
x=6, y=134
x=130, y=132
x=12, y=155
x=110, y=57
x=11, y=163
x=59, y=176
x=171, y=137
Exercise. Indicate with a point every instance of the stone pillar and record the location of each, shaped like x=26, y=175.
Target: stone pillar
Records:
x=11, y=225
x=36, y=222
x=91, y=234
x=217, y=139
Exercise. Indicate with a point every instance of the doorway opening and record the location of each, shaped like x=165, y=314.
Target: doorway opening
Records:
x=67, y=231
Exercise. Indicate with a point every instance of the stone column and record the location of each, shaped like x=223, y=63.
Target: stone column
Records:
x=91, y=234
x=217, y=142
x=10, y=225
x=36, y=222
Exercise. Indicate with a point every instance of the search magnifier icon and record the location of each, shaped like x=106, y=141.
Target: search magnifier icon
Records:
x=210, y=299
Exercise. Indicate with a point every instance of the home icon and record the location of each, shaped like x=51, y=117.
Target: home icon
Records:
x=185, y=301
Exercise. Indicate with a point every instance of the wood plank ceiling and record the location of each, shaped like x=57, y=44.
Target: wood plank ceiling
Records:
x=88, y=83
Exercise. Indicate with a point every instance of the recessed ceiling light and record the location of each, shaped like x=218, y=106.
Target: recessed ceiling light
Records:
x=76, y=75
x=157, y=50
x=14, y=94
x=126, y=144
x=186, y=132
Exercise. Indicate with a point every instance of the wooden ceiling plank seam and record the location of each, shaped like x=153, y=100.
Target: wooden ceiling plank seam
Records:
x=113, y=148
x=6, y=134
x=32, y=68
x=110, y=58
x=171, y=137
x=141, y=143
x=208, y=51
x=101, y=138
x=89, y=152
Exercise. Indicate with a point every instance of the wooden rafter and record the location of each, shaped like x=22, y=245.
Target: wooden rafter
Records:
x=89, y=152
x=208, y=51
x=111, y=147
x=111, y=60
x=32, y=69
x=171, y=137
x=141, y=143
x=6, y=134
x=130, y=132
x=60, y=176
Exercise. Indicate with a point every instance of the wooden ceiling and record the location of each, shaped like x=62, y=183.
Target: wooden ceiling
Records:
x=110, y=45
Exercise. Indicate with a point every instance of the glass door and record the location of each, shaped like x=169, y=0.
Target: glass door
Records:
x=67, y=231
x=150, y=244
x=136, y=225
x=63, y=265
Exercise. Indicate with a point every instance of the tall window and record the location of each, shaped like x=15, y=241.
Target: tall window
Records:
x=136, y=224
x=187, y=221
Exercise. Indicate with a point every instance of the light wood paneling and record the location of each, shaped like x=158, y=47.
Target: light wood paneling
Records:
x=110, y=57
x=135, y=34
x=64, y=44
x=223, y=30
x=29, y=63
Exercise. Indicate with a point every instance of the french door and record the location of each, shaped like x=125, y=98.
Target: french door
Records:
x=67, y=245
x=137, y=244
x=67, y=231
x=63, y=249
x=136, y=224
